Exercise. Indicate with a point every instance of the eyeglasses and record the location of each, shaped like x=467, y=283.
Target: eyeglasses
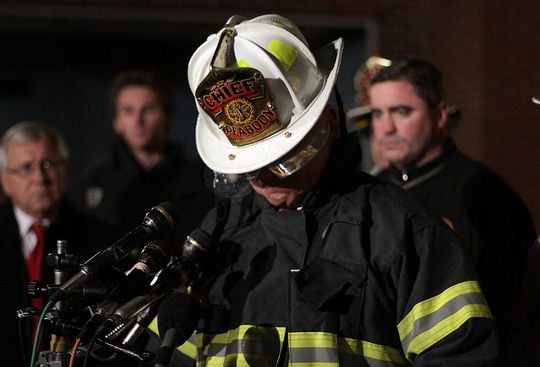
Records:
x=27, y=169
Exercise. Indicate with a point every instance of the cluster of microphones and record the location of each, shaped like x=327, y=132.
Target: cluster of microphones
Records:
x=156, y=285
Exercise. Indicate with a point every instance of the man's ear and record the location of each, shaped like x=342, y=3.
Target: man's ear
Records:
x=441, y=114
x=5, y=186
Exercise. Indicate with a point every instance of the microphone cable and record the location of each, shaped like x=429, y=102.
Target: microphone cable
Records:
x=89, y=347
x=37, y=336
x=74, y=352
x=28, y=312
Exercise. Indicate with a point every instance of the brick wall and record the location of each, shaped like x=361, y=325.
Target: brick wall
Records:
x=489, y=53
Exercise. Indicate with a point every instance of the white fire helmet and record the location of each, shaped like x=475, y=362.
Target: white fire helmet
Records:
x=259, y=90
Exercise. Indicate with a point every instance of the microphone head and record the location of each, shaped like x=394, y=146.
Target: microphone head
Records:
x=155, y=255
x=161, y=218
x=197, y=244
x=196, y=254
x=179, y=311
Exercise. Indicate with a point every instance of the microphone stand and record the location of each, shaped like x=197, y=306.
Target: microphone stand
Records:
x=58, y=354
x=60, y=345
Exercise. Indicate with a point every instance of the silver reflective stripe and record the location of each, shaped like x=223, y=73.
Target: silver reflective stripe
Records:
x=310, y=355
x=435, y=318
x=313, y=348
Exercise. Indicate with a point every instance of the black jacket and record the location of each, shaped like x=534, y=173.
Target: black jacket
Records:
x=118, y=191
x=489, y=217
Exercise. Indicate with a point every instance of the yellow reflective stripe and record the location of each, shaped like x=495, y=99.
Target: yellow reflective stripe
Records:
x=433, y=304
x=321, y=340
x=446, y=327
x=211, y=362
x=306, y=349
x=233, y=347
x=373, y=351
x=431, y=320
x=285, y=53
x=188, y=348
x=312, y=339
x=154, y=326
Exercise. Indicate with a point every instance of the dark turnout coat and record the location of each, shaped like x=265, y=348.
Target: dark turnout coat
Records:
x=359, y=275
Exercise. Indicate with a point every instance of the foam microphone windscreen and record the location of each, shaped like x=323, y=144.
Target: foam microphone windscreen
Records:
x=179, y=311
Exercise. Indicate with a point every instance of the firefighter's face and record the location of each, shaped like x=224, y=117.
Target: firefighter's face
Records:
x=289, y=191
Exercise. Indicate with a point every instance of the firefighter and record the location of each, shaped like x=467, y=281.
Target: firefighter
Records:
x=315, y=262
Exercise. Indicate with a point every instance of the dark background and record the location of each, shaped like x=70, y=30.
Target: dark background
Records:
x=57, y=58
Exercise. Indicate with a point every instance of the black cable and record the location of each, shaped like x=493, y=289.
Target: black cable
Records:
x=89, y=349
x=21, y=341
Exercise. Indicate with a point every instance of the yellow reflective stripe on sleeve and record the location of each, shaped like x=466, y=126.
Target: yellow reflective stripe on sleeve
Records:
x=435, y=318
x=446, y=327
x=283, y=52
x=433, y=304
x=188, y=348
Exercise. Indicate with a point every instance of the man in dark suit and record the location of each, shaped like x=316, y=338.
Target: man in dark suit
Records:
x=33, y=175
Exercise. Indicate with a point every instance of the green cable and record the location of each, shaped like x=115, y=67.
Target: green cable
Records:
x=38, y=331
x=95, y=356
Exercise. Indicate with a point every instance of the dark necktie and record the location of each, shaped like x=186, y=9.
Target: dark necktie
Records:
x=35, y=260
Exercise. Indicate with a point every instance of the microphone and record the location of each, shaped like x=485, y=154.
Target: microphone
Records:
x=165, y=353
x=177, y=272
x=159, y=219
x=178, y=316
x=137, y=327
x=37, y=288
x=152, y=258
